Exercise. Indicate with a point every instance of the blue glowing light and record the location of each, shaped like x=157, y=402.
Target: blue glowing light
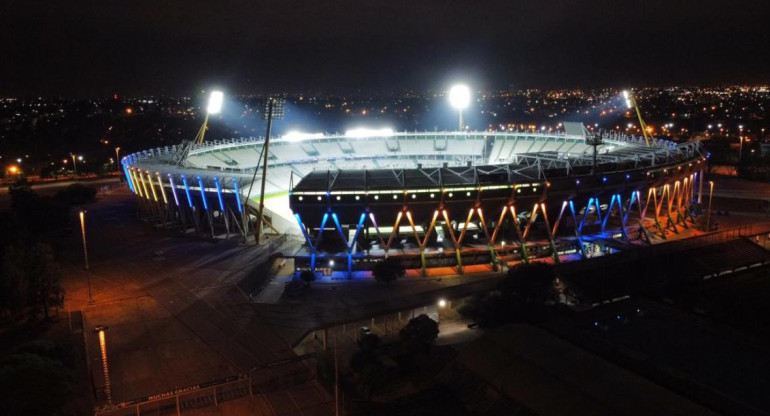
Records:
x=219, y=194
x=128, y=179
x=187, y=190
x=203, y=194
x=237, y=195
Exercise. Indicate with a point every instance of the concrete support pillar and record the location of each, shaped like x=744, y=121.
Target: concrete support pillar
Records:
x=700, y=186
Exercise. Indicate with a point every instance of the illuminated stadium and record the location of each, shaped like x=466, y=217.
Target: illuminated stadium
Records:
x=434, y=199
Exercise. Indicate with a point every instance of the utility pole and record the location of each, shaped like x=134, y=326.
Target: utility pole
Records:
x=594, y=140
x=85, y=252
x=336, y=379
x=274, y=110
x=708, y=216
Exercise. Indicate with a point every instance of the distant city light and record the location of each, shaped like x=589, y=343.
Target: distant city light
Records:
x=215, y=102
x=365, y=132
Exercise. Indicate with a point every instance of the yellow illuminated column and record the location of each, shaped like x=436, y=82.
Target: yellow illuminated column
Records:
x=85, y=252
x=105, y=367
x=708, y=215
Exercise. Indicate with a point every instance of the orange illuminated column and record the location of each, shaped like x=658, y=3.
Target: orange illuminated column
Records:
x=105, y=367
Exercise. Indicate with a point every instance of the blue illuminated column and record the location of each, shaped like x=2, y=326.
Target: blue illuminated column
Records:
x=237, y=195
x=203, y=194
x=187, y=191
x=310, y=242
x=578, y=236
x=128, y=177
x=349, y=245
x=206, y=206
x=219, y=194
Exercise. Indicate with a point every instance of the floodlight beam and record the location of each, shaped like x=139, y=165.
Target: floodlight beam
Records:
x=460, y=99
x=216, y=98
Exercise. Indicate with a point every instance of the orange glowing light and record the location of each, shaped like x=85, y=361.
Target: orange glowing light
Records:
x=129, y=110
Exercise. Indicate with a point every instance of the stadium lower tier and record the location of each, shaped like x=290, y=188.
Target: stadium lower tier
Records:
x=460, y=225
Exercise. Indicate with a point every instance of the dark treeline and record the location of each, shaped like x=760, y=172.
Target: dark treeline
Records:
x=30, y=275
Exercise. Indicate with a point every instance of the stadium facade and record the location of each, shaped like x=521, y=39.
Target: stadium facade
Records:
x=435, y=199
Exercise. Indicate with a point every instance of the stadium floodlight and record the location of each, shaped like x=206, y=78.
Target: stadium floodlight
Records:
x=298, y=136
x=460, y=99
x=215, y=102
x=627, y=97
x=216, y=98
x=631, y=104
x=364, y=132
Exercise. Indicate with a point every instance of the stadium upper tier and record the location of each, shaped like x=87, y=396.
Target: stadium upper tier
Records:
x=238, y=157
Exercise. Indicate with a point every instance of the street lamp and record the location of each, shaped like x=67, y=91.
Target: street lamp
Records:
x=708, y=216
x=117, y=159
x=85, y=252
x=441, y=305
x=75, y=162
x=460, y=98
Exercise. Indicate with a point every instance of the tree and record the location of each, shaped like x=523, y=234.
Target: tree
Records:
x=534, y=281
x=39, y=215
x=307, y=276
x=32, y=384
x=44, y=278
x=13, y=284
x=77, y=194
x=368, y=343
x=371, y=377
x=419, y=333
x=520, y=296
x=30, y=280
x=388, y=270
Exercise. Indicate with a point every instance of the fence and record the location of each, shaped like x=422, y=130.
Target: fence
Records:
x=267, y=378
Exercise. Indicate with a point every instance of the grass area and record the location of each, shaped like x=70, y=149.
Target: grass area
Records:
x=271, y=196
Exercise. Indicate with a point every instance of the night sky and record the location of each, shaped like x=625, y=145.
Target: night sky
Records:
x=133, y=47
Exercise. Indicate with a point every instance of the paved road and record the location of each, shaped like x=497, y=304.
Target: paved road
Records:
x=52, y=187
x=177, y=317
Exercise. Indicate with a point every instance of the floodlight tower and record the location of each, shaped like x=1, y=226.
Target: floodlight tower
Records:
x=594, y=140
x=214, y=107
x=632, y=105
x=460, y=98
x=274, y=109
